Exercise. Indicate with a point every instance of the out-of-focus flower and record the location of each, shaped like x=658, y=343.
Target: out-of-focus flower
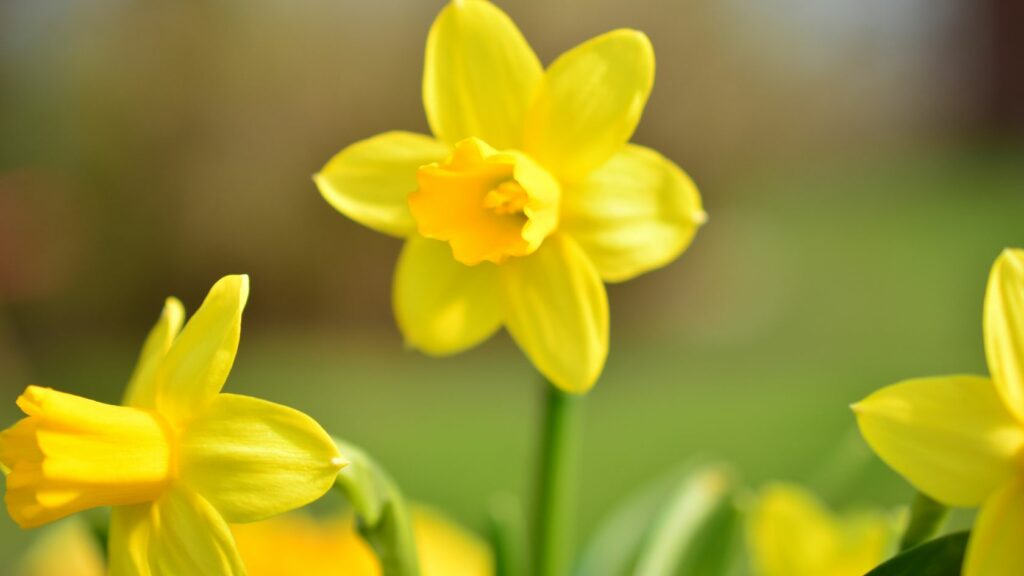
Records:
x=66, y=549
x=960, y=439
x=791, y=533
x=297, y=544
x=528, y=197
x=179, y=460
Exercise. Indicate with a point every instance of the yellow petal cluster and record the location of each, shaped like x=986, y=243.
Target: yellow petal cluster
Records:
x=297, y=544
x=791, y=533
x=285, y=545
x=960, y=439
x=179, y=460
x=528, y=197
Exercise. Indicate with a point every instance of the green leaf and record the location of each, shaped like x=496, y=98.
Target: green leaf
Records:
x=685, y=523
x=382, y=516
x=940, y=557
x=675, y=539
x=926, y=520
x=508, y=536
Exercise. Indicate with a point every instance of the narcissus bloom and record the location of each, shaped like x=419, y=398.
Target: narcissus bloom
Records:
x=791, y=533
x=960, y=439
x=179, y=460
x=527, y=198
x=68, y=548
x=296, y=544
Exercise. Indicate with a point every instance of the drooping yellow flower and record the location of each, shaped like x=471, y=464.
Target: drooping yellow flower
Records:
x=791, y=533
x=179, y=460
x=960, y=439
x=296, y=544
x=526, y=199
x=66, y=549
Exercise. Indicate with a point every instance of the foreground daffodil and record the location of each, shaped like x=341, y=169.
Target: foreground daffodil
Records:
x=179, y=460
x=526, y=199
x=791, y=533
x=960, y=439
x=297, y=544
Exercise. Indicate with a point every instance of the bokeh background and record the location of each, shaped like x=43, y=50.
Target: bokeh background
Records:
x=861, y=162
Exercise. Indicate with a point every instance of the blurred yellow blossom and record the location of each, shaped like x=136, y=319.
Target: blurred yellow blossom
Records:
x=179, y=460
x=65, y=549
x=960, y=439
x=791, y=533
x=527, y=198
x=297, y=544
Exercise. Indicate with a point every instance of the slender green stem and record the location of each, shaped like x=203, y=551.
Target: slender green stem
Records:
x=926, y=519
x=557, y=483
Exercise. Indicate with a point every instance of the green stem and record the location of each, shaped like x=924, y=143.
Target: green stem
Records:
x=557, y=482
x=926, y=519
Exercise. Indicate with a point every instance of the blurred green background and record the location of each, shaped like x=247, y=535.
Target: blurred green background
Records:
x=861, y=163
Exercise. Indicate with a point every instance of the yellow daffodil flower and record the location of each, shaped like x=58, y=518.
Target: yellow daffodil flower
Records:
x=527, y=197
x=296, y=544
x=960, y=439
x=179, y=460
x=66, y=549
x=791, y=533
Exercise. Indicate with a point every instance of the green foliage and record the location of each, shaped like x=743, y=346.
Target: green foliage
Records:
x=507, y=531
x=684, y=525
x=382, y=516
x=926, y=519
x=940, y=557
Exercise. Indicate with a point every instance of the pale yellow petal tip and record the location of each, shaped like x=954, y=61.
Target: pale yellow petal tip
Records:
x=174, y=311
x=700, y=218
x=1013, y=257
x=339, y=462
x=231, y=285
x=857, y=408
x=31, y=399
x=321, y=183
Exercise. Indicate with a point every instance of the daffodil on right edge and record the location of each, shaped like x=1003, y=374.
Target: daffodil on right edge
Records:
x=960, y=439
x=528, y=197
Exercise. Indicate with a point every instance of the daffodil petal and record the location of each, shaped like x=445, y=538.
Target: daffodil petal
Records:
x=128, y=540
x=441, y=305
x=1004, y=329
x=479, y=76
x=635, y=213
x=141, y=391
x=589, y=103
x=370, y=181
x=792, y=534
x=951, y=437
x=189, y=536
x=252, y=459
x=557, y=311
x=996, y=547
x=447, y=549
x=198, y=363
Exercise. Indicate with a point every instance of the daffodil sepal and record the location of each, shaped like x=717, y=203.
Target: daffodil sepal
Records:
x=383, y=519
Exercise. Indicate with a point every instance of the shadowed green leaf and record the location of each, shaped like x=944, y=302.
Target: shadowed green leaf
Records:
x=940, y=557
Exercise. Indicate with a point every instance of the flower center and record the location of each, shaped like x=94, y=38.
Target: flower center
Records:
x=488, y=205
x=71, y=454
